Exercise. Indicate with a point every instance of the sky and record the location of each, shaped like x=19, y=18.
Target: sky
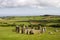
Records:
x=29, y=7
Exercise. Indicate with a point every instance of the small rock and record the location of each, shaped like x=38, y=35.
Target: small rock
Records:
x=50, y=32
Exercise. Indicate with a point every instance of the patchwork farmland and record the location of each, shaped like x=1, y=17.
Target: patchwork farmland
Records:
x=8, y=27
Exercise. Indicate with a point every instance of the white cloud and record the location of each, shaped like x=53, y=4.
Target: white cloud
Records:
x=33, y=3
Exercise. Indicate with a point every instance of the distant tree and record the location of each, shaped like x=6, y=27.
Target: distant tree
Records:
x=47, y=15
x=55, y=25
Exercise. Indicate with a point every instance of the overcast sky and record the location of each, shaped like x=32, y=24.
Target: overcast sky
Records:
x=29, y=7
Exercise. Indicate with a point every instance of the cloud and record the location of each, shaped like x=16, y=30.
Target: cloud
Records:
x=31, y=3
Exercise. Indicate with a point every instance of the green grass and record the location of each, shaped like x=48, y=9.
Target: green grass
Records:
x=47, y=20
x=6, y=33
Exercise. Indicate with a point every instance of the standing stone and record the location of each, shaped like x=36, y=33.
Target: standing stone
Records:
x=27, y=31
x=17, y=29
x=23, y=30
x=31, y=32
x=44, y=29
x=39, y=27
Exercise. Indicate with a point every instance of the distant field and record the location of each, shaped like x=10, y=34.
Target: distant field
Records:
x=18, y=20
x=6, y=33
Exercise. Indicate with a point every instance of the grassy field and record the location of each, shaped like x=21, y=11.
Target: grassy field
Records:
x=7, y=24
x=6, y=33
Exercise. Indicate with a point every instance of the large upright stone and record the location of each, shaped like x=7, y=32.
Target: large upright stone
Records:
x=43, y=29
x=27, y=32
x=23, y=29
x=39, y=27
x=31, y=32
x=17, y=29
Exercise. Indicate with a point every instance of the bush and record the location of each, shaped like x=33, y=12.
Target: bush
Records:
x=54, y=25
